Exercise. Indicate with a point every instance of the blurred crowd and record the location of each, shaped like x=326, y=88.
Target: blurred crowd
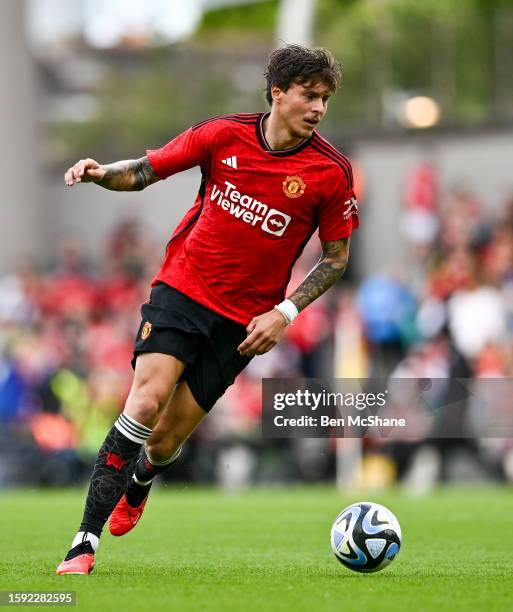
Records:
x=66, y=338
x=444, y=311
x=447, y=313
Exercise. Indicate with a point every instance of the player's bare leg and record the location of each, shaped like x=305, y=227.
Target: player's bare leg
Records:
x=175, y=424
x=155, y=378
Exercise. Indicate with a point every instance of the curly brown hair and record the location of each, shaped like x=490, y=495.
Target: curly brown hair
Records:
x=297, y=64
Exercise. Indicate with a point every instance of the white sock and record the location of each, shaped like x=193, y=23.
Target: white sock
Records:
x=83, y=536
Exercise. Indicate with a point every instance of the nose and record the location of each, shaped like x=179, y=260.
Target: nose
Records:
x=318, y=106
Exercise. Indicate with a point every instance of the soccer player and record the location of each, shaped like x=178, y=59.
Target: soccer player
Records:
x=269, y=180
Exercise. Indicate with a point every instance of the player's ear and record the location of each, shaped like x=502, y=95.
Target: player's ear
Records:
x=276, y=94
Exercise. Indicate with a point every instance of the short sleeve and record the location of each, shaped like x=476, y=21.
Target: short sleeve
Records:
x=339, y=210
x=189, y=149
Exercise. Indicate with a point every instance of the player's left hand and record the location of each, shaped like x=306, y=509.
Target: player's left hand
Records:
x=264, y=332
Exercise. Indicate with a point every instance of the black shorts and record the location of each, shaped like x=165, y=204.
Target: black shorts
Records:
x=207, y=342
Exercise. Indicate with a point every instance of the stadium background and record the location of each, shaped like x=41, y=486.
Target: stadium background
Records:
x=428, y=292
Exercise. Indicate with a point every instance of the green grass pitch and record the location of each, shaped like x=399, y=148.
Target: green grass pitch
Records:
x=266, y=549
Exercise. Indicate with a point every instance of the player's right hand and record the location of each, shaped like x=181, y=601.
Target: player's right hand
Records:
x=84, y=171
x=264, y=332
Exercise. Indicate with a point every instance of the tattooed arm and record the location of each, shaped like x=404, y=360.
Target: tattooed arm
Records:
x=127, y=175
x=330, y=267
x=265, y=330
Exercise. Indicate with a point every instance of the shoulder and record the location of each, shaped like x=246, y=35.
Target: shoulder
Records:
x=227, y=122
x=334, y=159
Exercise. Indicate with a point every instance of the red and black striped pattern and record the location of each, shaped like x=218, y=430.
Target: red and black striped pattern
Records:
x=244, y=118
x=321, y=145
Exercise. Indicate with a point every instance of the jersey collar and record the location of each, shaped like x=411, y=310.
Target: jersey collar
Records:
x=265, y=145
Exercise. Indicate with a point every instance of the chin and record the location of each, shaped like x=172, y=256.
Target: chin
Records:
x=303, y=132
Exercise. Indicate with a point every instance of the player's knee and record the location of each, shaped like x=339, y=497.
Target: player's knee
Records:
x=144, y=404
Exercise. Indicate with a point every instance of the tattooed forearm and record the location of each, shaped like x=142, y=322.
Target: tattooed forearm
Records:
x=329, y=269
x=128, y=175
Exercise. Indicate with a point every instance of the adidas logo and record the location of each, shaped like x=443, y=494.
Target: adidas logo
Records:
x=230, y=161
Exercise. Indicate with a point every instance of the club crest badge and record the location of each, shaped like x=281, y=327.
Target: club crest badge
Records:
x=294, y=186
x=146, y=330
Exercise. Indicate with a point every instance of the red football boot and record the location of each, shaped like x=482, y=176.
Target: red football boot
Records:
x=79, y=560
x=124, y=518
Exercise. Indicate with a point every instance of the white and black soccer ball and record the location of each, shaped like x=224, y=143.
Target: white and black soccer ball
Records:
x=366, y=537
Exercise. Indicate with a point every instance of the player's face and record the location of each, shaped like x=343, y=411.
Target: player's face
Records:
x=302, y=107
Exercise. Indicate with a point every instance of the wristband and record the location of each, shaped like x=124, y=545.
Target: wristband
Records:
x=288, y=309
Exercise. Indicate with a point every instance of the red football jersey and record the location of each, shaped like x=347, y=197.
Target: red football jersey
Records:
x=255, y=211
